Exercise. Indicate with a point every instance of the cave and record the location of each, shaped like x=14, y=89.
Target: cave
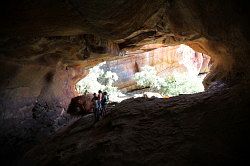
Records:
x=48, y=46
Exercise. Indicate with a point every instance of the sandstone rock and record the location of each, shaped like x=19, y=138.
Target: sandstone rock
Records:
x=42, y=56
x=166, y=61
x=154, y=131
x=80, y=105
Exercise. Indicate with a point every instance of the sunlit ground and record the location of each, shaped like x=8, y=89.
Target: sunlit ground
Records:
x=148, y=81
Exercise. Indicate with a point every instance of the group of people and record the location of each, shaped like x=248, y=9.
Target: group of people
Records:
x=100, y=102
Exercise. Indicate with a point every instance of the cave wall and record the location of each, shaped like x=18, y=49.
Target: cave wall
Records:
x=26, y=88
x=36, y=71
x=37, y=84
x=34, y=100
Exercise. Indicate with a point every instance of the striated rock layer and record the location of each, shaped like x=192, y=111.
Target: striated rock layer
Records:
x=166, y=60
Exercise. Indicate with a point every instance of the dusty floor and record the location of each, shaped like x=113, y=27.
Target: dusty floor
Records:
x=209, y=128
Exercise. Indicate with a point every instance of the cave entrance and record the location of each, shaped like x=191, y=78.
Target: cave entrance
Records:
x=161, y=72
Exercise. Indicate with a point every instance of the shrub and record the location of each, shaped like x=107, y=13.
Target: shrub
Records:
x=181, y=84
x=98, y=79
x=148, y=78
x=172, y=85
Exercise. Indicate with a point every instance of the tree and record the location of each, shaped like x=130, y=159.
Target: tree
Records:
x=98, y=79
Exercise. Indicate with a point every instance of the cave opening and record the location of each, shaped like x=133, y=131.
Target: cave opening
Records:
x=153, y=70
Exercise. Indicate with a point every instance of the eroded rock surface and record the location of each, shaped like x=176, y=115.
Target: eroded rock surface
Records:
x=185, y=130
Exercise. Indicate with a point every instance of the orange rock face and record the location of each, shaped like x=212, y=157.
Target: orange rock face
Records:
x=166, y=60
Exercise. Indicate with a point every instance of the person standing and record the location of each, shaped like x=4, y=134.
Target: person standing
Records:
x=105, y=100
x=100, y=102
x=95, y=107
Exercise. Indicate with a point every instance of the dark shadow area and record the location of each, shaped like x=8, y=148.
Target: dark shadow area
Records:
x=187, y=130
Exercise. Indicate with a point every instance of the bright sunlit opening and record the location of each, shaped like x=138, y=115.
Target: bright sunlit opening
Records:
x=163, y=72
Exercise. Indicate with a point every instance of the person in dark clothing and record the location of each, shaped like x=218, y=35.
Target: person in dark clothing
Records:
x=105, y=100
x=96, y=110
x=100, y=101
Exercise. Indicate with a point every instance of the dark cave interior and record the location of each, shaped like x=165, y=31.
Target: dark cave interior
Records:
x=46, y=47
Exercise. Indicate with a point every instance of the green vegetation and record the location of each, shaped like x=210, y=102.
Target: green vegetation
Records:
x=98, y=79
x=171, y=85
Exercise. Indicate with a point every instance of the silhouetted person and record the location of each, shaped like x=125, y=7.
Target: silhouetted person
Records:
x=100, y=101
x=105, y=100
x=95, y=107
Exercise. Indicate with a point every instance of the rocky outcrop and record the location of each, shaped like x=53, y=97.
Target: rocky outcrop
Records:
x=185, y=130
x=81, y=105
